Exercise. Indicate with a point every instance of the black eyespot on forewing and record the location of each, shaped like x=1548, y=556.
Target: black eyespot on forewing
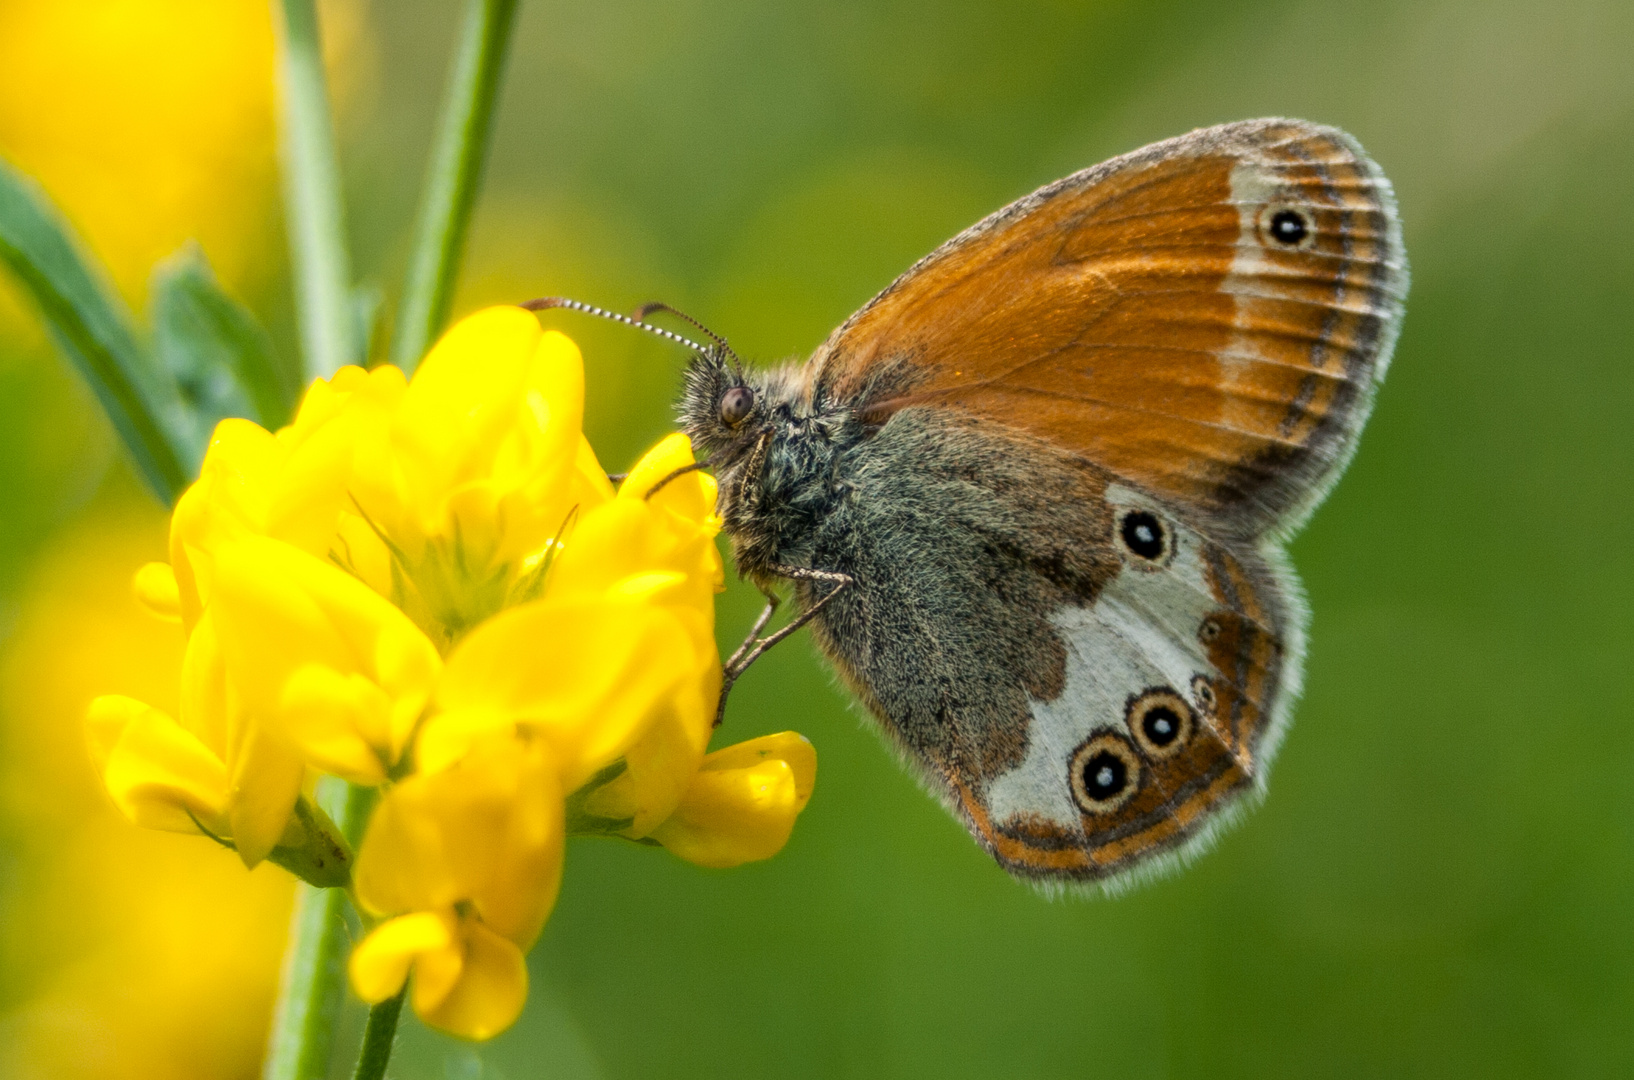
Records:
x=1161, y=722
x=1289, y=227
x=1144, y=535
x=1105, y=773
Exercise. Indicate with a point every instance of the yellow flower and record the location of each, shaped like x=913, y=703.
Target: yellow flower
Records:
x=463, y=490
x=205, y=771
x=320, y=659
x=465, y=863
x=741, y=804
x=290, y=486
x=210, y=771
x=431, y=585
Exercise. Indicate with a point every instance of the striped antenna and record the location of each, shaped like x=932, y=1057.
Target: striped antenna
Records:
x=590, y=309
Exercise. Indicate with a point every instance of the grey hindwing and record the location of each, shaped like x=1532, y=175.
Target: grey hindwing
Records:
x=994, y=624
x=963, y=540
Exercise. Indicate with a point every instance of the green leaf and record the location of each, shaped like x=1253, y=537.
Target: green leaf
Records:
x=220, y=358
x=368, y=305
x=93, y=328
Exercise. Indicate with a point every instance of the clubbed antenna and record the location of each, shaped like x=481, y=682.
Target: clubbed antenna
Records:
x=590, y=309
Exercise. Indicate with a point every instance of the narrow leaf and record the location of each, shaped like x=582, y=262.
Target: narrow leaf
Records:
x=221, y=359
x=93, y=328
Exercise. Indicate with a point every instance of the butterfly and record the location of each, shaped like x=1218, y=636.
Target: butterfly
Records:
x=1032, y=498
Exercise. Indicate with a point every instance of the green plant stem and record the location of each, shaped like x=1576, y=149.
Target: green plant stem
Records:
x=314, y=977
x=315, y=221
x=452, y=177
x=377, y=1038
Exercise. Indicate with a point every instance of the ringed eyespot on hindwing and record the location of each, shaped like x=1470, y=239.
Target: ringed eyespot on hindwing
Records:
x=1104, y=772
x=1145, y=537
x=1202, y=691
x=1161, y=722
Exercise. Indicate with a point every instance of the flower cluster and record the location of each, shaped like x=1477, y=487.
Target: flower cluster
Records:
x=432, y=587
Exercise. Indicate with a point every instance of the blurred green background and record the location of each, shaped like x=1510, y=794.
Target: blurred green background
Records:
x=1441, y=882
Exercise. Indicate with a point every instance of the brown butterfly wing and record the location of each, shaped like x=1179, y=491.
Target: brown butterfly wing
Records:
x=1205, y=318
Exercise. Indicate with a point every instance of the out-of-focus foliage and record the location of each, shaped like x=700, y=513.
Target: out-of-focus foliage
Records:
x=1441, y=880
x=123, y=955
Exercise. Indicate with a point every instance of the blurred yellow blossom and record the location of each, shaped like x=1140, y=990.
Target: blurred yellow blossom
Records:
x=115, y=938
x=150, y=122
x=431, y=585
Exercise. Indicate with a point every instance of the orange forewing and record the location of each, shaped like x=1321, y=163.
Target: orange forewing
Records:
x=1138, y=314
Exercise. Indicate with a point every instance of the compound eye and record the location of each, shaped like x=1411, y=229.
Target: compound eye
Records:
x=736, y=405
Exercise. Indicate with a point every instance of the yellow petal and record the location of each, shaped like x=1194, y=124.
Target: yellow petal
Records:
x=464, y=395
x=448, y=737
x=588, y=677
x=438, y=971
x=741, y=805
x=658, y=769
x=265, y=777
x=310, y=486
x=660, y=765
x=156, y=590
x=500, y=402
x=337, y=720
x=685, y=494
x=487, y=832
x=380, y=963
x=155, y=770
x=105, y=722
x=491, y=989
x=789, y=746
x=227, y=501
x=591, y=487
x=280, y=611
x=630, y=536
x=204, y=697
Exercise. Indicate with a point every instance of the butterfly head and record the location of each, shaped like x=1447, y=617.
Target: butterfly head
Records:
x=723, y=408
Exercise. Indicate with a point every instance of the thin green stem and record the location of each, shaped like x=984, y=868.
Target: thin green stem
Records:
x=314, y=977
x=452, y=177
x=314, y=217
x=377, y=1038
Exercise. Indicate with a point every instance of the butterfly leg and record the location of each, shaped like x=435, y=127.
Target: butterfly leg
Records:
x=754, y=645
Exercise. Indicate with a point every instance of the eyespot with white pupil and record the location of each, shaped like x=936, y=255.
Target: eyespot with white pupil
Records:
x=1104, y=773
x=736, y=405
x=1161, y=722
x=1144, y=536
x=1289, y=228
